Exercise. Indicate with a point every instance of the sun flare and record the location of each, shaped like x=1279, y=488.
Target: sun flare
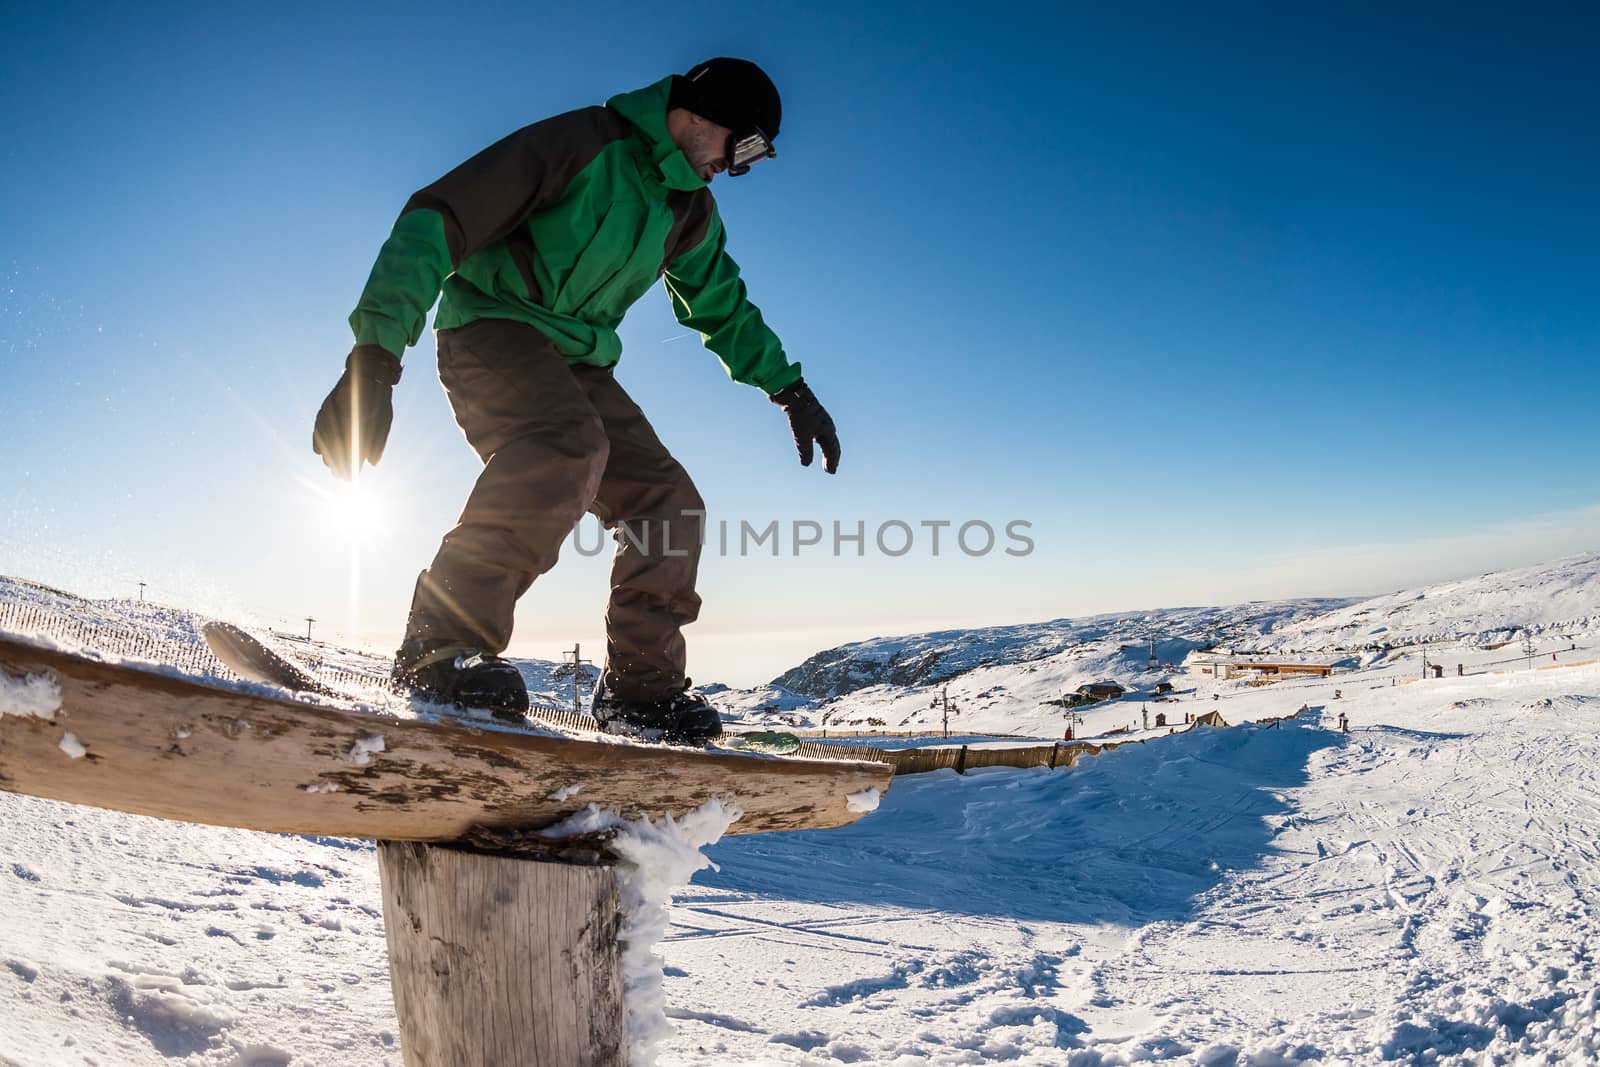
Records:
x=357, y=510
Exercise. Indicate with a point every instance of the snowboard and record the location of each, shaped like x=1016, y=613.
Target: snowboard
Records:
x=254, y=661
x=772, y=742
x=151, y=740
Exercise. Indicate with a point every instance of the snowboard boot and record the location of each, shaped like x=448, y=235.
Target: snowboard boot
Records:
x=681, y=718
x=444, y=672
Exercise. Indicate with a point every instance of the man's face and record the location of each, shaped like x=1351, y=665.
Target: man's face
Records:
x=705, y=145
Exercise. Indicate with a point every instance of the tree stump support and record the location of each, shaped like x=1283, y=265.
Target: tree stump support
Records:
x=501, y=960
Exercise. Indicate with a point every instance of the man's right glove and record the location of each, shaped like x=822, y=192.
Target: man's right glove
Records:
x=810, y=424
x=353, y=423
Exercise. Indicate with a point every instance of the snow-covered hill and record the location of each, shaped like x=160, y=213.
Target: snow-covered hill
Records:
x=1004, y=679
x=934, y=658
x=1549, y=601
x=144, y=629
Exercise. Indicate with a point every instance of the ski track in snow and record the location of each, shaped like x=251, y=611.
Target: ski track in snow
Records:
x=1425, y=893
x=1420, y=890
x=126, y=940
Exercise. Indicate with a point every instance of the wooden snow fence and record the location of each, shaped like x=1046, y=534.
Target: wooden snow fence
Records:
x=962, y=758
x=502, y=943
x=113, y=637
x=829, y=731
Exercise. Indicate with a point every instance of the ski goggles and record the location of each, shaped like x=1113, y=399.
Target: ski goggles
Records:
x=746, y=149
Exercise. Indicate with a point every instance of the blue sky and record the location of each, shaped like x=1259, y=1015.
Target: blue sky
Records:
x=1248, y=302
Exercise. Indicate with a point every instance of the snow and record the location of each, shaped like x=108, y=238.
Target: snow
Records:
x=566, y=792
x=931, y=658
x=145, y=632
x=658, y=858
x=1286, y=894
x=362, y=751
x=32, y=695
x=1550, y=600
x=72, y=746
x=1422, y=889
x=864, y=801
x=1003, y=679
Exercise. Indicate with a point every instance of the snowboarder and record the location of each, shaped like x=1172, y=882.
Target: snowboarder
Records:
x=539, y=245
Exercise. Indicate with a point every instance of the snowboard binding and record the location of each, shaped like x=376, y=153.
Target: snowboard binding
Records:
x=683, y=718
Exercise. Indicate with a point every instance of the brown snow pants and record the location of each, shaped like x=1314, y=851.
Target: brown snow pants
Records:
x=559, y=440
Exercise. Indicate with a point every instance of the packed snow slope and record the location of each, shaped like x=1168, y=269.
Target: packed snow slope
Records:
x=1422, y=889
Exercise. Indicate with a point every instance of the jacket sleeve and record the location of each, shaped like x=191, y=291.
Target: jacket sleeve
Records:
x=709, y=296
x=478, y=203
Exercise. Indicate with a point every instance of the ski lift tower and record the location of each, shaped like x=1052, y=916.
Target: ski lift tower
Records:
x=1155, y=664
x=577, y=672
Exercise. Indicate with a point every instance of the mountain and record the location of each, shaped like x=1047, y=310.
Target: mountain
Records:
x=933, y=658
x=1549, y=600
x=1013, y=679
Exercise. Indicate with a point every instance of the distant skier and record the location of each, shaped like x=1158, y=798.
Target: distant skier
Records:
x=540, y=243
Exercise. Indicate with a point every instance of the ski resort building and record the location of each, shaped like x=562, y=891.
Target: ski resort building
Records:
x=1220, y=666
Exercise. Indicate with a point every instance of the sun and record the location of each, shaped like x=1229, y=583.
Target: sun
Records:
x=358, y=510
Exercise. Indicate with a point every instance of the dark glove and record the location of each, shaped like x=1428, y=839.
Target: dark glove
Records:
x=809, y=422
x=353, y=423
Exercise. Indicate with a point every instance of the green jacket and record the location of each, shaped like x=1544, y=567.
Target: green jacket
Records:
x=563, y=225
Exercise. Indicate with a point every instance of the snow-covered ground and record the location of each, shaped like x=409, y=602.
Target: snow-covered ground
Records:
x=1422, y=889
x=1287, y=894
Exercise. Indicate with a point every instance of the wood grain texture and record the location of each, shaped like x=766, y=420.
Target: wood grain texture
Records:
x=175, y=748
x=502, y=962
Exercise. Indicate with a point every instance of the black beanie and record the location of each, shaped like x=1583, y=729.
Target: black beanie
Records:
x=730, y=92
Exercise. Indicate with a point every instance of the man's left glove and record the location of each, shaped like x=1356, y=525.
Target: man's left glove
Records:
x=810, y=423
x=353, y=423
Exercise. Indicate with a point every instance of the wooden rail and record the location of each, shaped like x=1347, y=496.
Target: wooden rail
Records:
x=172, y=747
